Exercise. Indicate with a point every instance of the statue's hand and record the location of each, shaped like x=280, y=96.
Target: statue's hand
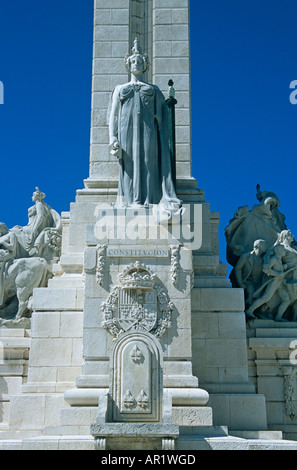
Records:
x=115, y=149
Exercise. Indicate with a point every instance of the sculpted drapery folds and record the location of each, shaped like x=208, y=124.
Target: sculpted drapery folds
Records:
x=138, y=132
x=26, y=256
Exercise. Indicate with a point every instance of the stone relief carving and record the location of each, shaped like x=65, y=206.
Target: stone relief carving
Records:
x=136, y=376
x=139, y=138
x=175, y=267
x=136, y=354
x=290, y=375
x=128, y=400
x=263, y=253
x=101, y=257
x=138, y=303
x=27, y=255
x=142, y=400
x=100, y=443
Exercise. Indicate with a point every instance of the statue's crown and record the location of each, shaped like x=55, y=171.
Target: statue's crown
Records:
x=137, y=276
x=136, y=48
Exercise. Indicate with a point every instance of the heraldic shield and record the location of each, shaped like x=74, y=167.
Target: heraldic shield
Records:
x=138, y=303
x=138, y=308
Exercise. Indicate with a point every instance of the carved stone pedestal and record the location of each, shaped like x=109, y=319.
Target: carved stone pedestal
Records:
x=135, y=436
x=137, y=337
x=272, y=348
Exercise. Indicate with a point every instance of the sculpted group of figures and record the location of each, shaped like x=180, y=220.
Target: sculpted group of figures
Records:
x=26, y=258
x=263, y=254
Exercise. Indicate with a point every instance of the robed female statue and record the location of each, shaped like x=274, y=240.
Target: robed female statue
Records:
x=139, y=137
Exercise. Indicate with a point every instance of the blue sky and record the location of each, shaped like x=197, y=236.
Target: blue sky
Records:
x=244, y=57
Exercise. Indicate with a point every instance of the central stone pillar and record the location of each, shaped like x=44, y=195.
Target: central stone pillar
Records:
x=137, y=333
x=137, y=336
x=163, y=33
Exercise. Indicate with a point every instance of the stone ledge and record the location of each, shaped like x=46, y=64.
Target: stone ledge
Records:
x=135, y=429
x=189, y=416
x=14, y=332
x=78, y=442
x=46, y=388
x=10, y=444
x=207, y=431
x=268, y=343
x=180, y=396
x=15, y=342
x=263, y=435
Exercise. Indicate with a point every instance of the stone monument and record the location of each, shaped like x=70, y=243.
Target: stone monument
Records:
x=27, y=255
x=263, y=253
x=268, y=273
x=138, y=341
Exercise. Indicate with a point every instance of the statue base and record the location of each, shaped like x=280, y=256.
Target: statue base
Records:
x=85, y=344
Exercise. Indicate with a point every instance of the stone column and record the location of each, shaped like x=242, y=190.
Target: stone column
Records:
x=164, y=34
x=171, y=59
x=111, y=44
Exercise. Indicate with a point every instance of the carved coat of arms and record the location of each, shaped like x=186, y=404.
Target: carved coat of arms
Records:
x=138, y=303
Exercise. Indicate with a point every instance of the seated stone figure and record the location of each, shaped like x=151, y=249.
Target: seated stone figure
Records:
x=42, y=221
x=26, y=257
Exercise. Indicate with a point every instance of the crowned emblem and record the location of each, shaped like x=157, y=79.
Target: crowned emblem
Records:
x=138, y=276
x=138, y=303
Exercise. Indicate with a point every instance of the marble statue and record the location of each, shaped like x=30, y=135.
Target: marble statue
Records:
x=263, y=221
x=268, y=273
x=26, y=257
x=139, y=138
x=44, y=226
x=281, y=271
x=249, y=269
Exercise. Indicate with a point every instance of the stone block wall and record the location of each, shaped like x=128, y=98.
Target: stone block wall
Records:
x=220, y=358
x=273, y=370
x=14, y=353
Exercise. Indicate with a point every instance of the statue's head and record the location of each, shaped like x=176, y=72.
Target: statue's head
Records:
x=3, y=229
x=260, y=247
x=271, y=201
x=38, y=196
x=284, y=235
x=137, y=63
x=267, y=198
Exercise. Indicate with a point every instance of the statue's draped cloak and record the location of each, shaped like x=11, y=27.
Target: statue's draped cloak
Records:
x=145, y=167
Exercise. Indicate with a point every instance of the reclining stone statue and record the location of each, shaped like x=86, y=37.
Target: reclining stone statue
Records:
x=26, y=258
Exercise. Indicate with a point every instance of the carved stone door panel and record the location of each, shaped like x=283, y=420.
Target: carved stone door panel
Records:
x=136, y=379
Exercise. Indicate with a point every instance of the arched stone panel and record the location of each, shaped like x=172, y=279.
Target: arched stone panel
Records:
x=137, y=387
